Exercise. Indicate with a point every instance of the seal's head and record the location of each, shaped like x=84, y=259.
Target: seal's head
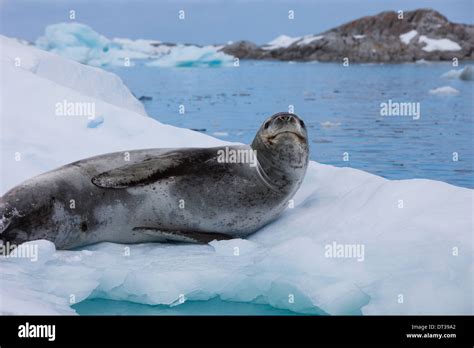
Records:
x=284, y=128
x=282, y=150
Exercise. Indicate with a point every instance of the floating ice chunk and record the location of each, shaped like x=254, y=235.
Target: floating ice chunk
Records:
x=220, y=134
x=423, y=61
x=452, y=74
x=76, y=41
x=145, y=47
x=465, y=74
x=444, y=91
x=81, y=43
x=438, y=44
x=329, y=124
x=193, y=56
x=407, y=37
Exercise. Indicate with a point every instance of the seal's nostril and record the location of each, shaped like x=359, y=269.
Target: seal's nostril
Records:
x=284, y=118
x=287, y=118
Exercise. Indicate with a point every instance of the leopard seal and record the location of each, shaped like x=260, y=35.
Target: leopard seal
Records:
x=162, y=195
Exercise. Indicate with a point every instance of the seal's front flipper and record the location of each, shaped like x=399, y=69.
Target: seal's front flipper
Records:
x=154, y=168
x=183, y=236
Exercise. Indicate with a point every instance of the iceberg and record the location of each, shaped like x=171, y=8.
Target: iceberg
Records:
x=465, y=74
x=81, y=43
x=415, y=235
x=444, y=91
x=193, y=56
x=76, y=41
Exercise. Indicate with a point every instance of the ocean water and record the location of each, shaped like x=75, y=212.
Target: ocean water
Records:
x=340, y=105
x=214, y=306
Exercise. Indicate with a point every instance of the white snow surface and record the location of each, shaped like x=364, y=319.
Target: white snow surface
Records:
x=409, y=251
x=281, y=41
x=407, y=37
x=438, y=44
x=90, y=82
x=305, y=40
x=284, y=41
x=81, y=43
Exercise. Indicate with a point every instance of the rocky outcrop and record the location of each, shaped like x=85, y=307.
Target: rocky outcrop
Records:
x=420, y=34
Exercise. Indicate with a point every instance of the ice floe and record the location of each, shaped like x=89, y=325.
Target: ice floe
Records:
x=444, y=91
x=465, y=74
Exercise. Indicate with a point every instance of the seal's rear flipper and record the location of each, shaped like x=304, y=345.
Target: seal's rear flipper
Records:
x=183, y=236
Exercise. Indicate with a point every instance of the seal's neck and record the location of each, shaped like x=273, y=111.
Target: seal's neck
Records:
x=281, y=167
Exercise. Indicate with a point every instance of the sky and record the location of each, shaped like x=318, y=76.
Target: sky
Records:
x=207, y=21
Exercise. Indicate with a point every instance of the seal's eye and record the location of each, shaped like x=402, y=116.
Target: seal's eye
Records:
x=302, y=124
x=265, y=126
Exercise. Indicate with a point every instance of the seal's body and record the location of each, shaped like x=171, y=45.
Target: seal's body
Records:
x=158, y=195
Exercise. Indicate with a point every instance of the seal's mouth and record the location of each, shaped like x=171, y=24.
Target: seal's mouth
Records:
x=273, y=137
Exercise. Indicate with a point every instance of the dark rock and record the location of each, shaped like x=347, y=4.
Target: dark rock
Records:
x=244, y=50
x=372, y=39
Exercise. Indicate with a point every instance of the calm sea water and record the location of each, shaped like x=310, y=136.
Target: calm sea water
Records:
x=214, y=306
x=340, y=105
